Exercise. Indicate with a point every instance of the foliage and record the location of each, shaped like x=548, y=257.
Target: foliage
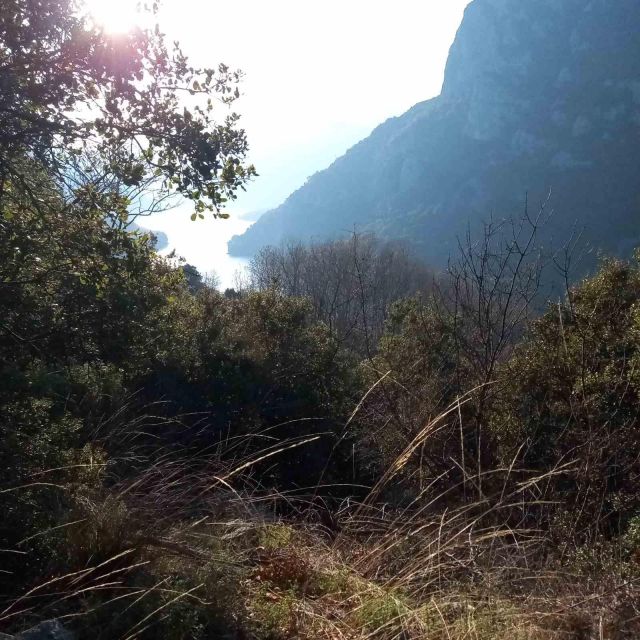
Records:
x=254, y=371
x=75, y=286
x=69, y=89
x=571, y=399
x=414, y=377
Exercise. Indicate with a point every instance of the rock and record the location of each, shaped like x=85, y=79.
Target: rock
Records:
x=47, y=630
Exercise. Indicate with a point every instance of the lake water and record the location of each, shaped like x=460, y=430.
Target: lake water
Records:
x=202, y=243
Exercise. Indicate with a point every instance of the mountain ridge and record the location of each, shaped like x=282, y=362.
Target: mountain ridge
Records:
x=537, y=96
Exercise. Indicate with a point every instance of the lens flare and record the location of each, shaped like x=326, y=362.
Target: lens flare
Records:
x=114, y=16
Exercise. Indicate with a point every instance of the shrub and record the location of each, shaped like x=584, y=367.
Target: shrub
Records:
x=570, y=399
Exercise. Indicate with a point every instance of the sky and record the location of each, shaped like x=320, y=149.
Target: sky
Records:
x=319, y=76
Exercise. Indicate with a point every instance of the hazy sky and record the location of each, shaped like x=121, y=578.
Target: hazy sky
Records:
x=319, y=74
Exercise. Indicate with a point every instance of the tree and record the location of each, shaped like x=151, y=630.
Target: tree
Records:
x=77, y=296
x=75, y=287
x=447, y=346
x=489, y=298
x=130, y=103
x=249, y=366
x=350, y=283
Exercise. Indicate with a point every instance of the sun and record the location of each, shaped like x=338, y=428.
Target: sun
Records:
x=114, y=16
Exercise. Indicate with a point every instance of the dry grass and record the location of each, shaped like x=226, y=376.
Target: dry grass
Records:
x=177, y=552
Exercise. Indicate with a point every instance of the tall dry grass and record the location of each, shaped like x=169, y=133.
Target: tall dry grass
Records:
x=191, y=547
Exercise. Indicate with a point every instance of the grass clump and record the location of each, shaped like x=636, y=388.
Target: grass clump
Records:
x=275, y=615
x=276, y=536
x=381, y=612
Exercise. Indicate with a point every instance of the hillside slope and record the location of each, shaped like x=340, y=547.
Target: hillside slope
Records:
x=538, y=95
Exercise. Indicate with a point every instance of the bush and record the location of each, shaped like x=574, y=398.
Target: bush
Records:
x=570, y=401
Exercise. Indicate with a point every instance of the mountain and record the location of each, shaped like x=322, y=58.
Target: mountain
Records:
x=161, y=239
x=538, y=95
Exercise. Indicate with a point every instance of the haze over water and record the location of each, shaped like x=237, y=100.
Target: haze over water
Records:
x=202, y=243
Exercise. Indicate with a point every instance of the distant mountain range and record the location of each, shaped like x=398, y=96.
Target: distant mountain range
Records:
x=538, y=95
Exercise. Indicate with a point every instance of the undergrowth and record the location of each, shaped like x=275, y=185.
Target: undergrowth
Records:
x=138, y=560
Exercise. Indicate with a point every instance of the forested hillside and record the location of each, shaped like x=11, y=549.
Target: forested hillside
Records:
x=539, y=96
x=349, y=445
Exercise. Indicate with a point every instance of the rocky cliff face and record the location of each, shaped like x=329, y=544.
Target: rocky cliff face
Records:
x=538, y=95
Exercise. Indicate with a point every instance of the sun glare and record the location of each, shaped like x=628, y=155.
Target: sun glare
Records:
x=114, y=16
